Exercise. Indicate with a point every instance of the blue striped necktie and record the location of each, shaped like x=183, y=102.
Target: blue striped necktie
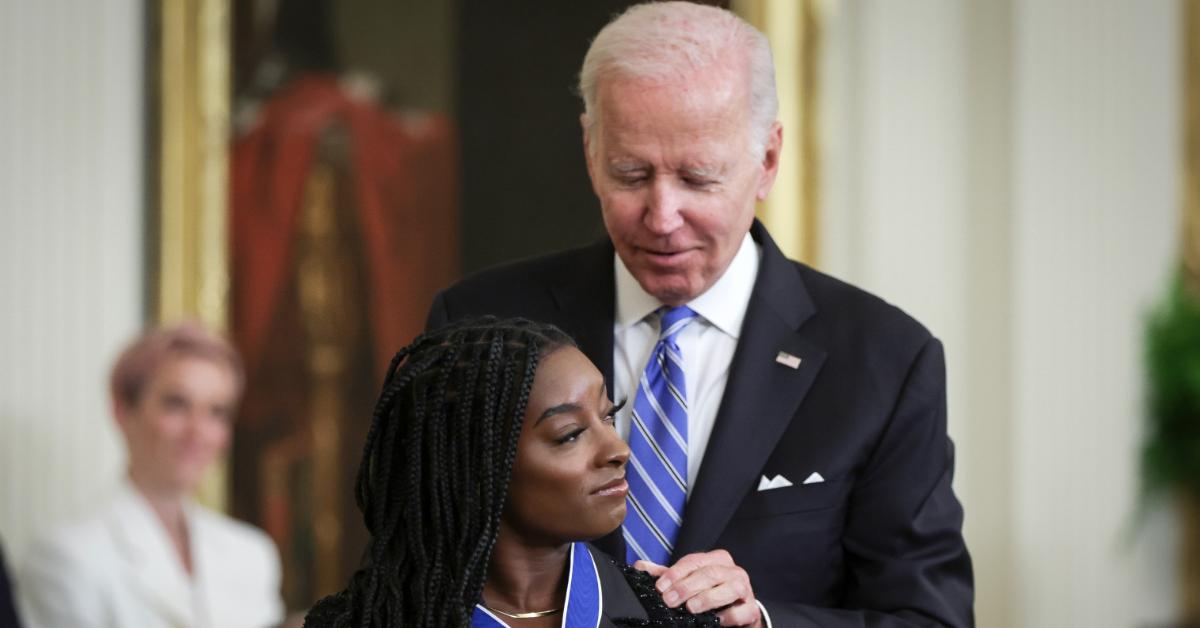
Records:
x=658, y=437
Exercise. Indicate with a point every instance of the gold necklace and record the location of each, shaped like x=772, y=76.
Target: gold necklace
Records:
x=529, y=615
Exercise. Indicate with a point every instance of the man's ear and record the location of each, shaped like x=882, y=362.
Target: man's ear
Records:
x=770, y=161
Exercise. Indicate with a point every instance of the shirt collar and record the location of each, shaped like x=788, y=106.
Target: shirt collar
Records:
x=723, y=305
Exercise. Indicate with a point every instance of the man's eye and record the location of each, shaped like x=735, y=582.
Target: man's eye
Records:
x=630, y=179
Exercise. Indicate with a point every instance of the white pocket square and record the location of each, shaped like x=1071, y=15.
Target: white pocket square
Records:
x=778, y=481
x=815, y=478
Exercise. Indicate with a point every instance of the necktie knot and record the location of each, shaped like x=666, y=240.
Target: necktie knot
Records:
x=673, y=321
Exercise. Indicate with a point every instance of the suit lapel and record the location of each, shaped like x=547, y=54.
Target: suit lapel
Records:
x=760, y=399
x=141, y=539
x=620, y=601
x=224, y=592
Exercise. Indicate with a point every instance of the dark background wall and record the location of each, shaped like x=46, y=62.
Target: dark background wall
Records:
x=525, y=186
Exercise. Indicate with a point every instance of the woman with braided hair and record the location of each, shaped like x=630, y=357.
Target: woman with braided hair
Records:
x=491, y=457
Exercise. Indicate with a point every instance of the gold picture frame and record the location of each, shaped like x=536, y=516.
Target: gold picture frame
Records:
x=794, y=28
x=189, y=274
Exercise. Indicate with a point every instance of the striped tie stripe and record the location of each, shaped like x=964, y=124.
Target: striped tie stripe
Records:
x=657, y=471
x=661, y=415
x=660, y=499
x=656, y=508
x=655, y=529
x=659, y=455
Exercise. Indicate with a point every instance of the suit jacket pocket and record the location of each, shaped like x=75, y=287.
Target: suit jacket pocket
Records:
x=797, y=498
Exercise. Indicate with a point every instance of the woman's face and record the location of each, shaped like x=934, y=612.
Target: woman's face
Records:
x=568, y=480
x=180, y=424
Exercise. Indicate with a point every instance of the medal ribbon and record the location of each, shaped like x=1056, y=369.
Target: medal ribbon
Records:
x=584, y=598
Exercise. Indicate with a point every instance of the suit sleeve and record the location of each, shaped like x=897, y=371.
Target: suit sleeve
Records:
x=903, y=540
x=55, y=588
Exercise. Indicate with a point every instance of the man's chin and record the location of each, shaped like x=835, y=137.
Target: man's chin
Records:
x=672, y=291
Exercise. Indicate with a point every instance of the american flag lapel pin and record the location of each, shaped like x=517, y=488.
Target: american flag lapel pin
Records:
x=788, y=360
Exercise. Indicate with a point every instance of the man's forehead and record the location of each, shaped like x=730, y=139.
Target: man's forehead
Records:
x=634, y=110
x=726, y=79
x=624, y=147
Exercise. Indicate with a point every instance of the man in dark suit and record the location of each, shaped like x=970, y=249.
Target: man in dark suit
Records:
x=805, y=424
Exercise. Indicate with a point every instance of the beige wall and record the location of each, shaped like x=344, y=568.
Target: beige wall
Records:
x=70, y=249
x=1006, y=170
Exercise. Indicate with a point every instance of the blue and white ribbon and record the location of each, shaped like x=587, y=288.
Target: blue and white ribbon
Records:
x=584, y=597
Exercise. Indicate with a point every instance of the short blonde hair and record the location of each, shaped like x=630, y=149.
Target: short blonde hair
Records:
x=150, y=350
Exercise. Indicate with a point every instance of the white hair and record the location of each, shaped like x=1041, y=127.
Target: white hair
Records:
x=669, y=42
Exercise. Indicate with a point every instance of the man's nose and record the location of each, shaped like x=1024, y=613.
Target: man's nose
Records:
x=663, y=207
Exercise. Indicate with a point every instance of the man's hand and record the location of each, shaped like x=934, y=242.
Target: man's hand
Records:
x=707, y=581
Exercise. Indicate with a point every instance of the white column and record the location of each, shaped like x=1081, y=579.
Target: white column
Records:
x=71, y=262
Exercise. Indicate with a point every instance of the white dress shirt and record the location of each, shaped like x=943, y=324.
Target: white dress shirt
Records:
x=707, y=344
x=713, y=336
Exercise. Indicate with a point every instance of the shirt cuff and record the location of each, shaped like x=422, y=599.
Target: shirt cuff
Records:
x=765, y=615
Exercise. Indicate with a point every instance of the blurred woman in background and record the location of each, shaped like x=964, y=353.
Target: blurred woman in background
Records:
x=150, y=556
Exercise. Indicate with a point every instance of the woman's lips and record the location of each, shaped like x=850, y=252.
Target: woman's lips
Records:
x=617, y=487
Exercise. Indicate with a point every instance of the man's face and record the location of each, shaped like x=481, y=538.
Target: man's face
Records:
x=676, y=181
x=180, y=424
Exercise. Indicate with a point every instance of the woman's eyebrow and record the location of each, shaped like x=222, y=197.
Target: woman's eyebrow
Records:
x=561, y=408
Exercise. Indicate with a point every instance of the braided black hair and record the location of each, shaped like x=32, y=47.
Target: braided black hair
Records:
x=435, y=471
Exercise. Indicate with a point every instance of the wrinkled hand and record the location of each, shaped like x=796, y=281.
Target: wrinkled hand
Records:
x=706, y=581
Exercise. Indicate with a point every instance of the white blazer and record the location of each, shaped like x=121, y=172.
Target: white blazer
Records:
x=118, y=569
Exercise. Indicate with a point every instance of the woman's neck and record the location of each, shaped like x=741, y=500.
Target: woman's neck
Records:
x=524, y=577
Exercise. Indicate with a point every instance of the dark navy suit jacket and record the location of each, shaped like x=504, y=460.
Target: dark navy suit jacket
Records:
x=879, y=541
